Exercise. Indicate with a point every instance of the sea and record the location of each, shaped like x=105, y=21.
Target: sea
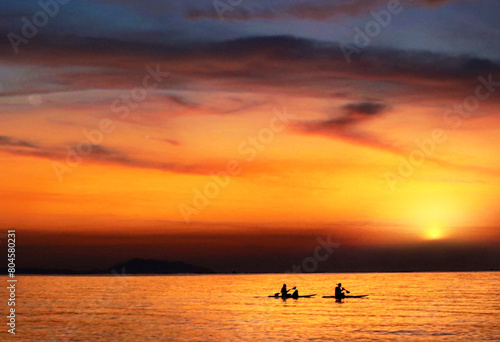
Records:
x=400, y=307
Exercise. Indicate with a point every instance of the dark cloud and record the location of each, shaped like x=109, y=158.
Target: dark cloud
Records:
x=242, y=12
x=319, y=10
x=353, y=113
x=102, y=155
x=172, y=142
x=364, y=108
x=479, y=66
x=182, y=101
x=151, y=7
x=259, y=64
x=440, y=2
x=343, y=125
x=6, y=141
x=346, y=127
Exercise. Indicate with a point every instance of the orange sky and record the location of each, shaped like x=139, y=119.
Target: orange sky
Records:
x=309, y=139
x=291, y=175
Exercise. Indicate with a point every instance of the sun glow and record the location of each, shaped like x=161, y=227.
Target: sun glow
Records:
x=434, y=231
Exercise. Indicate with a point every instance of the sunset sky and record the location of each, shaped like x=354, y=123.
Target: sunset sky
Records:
x=171, y=128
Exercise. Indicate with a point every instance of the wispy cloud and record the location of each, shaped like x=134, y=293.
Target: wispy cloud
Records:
x=318, y=10
x=346, y=127
x=172, y=142
x=104, y=156
x=261, y=64
x=344, y=124
x=6, y=142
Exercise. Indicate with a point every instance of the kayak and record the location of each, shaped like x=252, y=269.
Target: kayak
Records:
x=360, y=296
x=290, y=296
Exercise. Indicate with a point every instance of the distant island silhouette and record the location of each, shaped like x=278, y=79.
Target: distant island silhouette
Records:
x=133, y=266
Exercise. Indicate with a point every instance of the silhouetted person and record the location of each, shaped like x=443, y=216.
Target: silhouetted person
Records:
x=339, y=291
x=295, y=294
x=284, y=291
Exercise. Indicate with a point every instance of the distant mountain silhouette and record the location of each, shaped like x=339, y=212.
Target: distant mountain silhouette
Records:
x=134, y=266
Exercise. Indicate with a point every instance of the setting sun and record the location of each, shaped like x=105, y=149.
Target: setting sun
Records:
x=434, y=231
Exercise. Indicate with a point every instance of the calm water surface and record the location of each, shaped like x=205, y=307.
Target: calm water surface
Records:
x=401, y=307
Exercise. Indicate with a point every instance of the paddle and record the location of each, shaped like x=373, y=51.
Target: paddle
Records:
x=344, y=289
x=279, y=294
